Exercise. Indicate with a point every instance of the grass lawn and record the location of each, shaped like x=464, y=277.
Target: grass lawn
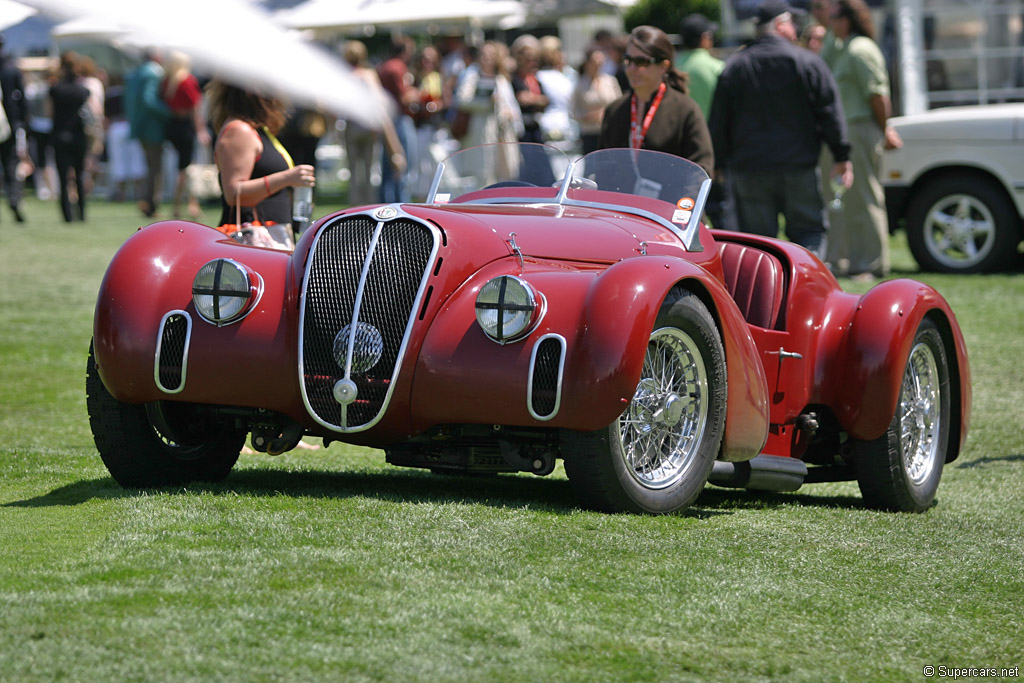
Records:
x=333, y=565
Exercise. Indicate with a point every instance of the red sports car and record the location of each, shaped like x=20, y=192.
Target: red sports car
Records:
x=533, y=308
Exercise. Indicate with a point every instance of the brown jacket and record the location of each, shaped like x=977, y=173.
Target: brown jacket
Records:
x=678, y=128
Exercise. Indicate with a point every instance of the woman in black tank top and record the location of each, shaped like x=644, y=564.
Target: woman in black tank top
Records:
x=255, y=169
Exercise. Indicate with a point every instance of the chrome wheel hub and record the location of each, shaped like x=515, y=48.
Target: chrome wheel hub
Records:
x=661, y=430
x=959, y=231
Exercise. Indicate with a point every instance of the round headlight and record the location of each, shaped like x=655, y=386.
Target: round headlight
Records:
x=224, y=291
x=507, y=308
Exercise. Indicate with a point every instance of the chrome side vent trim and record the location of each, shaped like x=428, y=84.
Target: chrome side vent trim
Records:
x=547, y=363
x=172, y=351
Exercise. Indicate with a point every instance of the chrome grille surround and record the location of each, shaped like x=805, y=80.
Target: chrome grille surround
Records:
x=171, y=358
x=363, y=269
x=547, y=363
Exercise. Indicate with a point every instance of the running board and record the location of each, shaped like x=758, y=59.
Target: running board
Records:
x=763, y=473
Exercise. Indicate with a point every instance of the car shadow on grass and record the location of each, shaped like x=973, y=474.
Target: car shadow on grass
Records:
x=981, y=462
x=404, y=486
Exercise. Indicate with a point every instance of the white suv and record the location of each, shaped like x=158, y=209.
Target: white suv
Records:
x=958, y=182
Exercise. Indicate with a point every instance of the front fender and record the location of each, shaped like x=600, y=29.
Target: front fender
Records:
x=605, y=316
x=150, y=276
x=614, y=345
x=864, y=376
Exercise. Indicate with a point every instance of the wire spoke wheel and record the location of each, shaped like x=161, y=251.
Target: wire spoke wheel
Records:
x=661, y=428
x=920, y=418
x=657, y=455
x=901, y=469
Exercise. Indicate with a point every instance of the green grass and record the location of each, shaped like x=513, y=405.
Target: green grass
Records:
x=333, y=565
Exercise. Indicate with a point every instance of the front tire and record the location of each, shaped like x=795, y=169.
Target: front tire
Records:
x=158, y=444
x=900, y=470
x=963, y=225
x=657, y=455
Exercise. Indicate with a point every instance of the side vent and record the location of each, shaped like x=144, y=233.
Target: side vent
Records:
x=172, y=351
x=545, y=390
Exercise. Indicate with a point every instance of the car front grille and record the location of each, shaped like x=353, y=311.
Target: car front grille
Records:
x=369, y=275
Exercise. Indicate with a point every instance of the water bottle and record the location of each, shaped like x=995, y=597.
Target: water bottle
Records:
x=302, y=207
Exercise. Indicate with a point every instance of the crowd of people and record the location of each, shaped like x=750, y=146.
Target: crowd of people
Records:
x=787, y=124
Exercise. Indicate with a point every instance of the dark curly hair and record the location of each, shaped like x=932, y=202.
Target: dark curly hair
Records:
x=227, y=101
x=859, y=16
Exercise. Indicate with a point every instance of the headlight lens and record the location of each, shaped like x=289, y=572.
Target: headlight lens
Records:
x=224, y=291
x=507, y=308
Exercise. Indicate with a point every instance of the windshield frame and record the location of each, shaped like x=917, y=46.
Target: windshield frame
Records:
x=689, y=234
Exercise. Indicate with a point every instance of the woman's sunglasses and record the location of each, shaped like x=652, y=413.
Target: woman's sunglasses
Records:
x=639, y=62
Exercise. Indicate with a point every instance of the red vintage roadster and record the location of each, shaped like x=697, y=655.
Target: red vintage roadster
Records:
x=532, y=308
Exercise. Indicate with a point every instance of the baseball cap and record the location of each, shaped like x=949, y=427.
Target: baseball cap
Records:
x=769, y=9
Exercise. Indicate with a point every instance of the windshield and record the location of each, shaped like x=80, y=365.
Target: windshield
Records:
x=662, y=187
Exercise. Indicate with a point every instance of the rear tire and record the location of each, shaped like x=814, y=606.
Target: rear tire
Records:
x=657, y=455
x=963, y=225
x=900, y=470
x=158, y=444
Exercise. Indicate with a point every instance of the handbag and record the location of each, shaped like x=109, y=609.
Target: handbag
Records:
x=203, y=181
x=460, y=125
x=255, y=234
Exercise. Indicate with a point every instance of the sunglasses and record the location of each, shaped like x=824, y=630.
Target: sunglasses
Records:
x=639, y=62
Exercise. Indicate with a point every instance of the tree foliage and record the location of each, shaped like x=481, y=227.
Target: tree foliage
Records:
x=669, y=14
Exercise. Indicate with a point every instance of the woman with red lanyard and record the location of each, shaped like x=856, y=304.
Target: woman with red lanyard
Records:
x=657, y=113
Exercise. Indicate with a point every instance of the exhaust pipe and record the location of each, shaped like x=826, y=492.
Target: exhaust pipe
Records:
x=763, y=473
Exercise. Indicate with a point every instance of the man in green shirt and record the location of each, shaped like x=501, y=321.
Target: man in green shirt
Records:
x=696, y=60
x=698, y=33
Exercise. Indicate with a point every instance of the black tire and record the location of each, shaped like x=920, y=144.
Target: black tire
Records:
x=963, y=224
x=159, y=444
x=656, y=456
x=900, y=470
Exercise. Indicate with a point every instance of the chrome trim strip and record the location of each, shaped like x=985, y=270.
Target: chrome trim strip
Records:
x=184, y=355
x=400, y=214
x=558, y=383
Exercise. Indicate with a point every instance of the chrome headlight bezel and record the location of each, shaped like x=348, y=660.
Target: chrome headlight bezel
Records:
x=508, y=308
x=224, y=291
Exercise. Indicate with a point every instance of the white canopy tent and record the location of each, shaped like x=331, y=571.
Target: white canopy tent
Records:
x=233, y=40
x=13, y=13
x=367, y=16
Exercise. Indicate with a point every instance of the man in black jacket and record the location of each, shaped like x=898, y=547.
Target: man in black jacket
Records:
x=13, y=149
x=774, y=106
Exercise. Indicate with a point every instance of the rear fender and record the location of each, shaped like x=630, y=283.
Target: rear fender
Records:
x=865, y=374
x=611, y=345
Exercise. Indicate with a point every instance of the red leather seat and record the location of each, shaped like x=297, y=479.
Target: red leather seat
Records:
x=756, y=281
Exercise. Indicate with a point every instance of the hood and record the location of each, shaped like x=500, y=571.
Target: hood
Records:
x=994, y=123
x=548, y=231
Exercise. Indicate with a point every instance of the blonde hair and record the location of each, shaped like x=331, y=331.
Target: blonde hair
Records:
x=355, y=53
x=176, y=70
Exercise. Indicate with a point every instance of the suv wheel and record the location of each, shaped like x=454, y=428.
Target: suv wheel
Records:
x=962, y=224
